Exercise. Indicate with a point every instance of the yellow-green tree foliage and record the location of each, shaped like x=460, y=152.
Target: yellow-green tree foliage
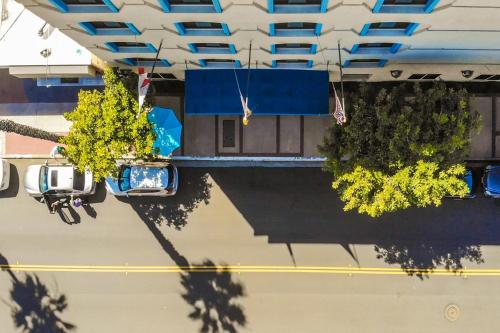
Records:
x=401, y=147
x=106, y=126
x=374, y=192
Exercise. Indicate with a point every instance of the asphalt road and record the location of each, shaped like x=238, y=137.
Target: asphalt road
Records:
x=254, y=250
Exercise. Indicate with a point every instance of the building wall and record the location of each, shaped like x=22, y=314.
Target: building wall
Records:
x=21, y=44
x=457, y=35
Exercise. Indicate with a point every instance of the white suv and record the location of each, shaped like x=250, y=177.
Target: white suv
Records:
x=4, y=174
x=60, y=180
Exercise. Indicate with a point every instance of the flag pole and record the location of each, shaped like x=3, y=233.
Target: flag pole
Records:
x=248, y=74
x=341, y=77
x=144, y=80
x=156, y=58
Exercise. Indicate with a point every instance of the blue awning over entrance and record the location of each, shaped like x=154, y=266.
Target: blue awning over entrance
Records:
x=272, y=92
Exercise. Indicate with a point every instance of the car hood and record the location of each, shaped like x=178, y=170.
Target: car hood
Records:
x=492, y=182
x=112, y=185
x=32, y=179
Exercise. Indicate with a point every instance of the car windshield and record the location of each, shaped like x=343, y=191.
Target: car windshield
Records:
x=44, y=186
x=124, y=179
x=78, y=180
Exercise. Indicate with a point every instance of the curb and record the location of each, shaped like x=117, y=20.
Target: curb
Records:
x=249, y=161
x=221, y=161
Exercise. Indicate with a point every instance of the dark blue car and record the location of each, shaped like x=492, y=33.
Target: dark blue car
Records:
x=491, y=181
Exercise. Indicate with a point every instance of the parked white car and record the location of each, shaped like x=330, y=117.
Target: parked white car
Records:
x=4, y=174
x=151, y=179
x=60, y=180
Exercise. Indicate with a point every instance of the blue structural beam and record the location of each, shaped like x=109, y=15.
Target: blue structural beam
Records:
x=271, y=92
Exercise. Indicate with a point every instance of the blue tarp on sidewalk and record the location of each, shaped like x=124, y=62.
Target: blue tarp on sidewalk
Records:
x=272, y=92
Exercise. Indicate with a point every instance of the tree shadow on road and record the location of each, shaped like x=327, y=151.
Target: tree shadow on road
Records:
x=34, y=308
x=213, y=295
x=194, y=189
x=211, y=290
x=422, y=259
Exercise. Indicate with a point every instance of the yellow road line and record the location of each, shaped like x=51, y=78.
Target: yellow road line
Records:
x=245, y=269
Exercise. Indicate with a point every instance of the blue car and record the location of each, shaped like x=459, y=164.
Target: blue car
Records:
x=146, y=179
x=491, y=181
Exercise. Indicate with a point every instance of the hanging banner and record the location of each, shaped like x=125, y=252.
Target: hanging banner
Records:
x=339, y=113
x=143, y=86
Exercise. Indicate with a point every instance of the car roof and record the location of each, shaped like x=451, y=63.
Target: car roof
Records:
x=148, y=177
x=60, y=177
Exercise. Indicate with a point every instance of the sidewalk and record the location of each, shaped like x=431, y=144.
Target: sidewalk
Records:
x=292, y=137
x=46, y=116
x=209, y=140
x=22, y=101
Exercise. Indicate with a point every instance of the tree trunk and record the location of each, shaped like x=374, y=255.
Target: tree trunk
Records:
x=11, y=126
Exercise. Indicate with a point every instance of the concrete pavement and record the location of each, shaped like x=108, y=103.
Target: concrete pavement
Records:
x=256, y=217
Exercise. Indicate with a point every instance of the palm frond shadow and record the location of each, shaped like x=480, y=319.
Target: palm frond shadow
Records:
x=213, y=295
x=34, y=308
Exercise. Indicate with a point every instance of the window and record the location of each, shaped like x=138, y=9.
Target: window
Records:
x=375, y=48
x=145, y=190
x=297, y=6
x=78, y=180
x=130, y=47
x=389, y=29
x=424, y=76
x=356, y=77
x=293, y=48
x=487, y=77
x=220, y=63
x=109, y=28
x=292, y=63
x=405, y=6
x=70, y=81
x=42, y=179
x=365, y=63
x=84, y=6
x=191, y=6
x=145, y=62
x=212, y=48
x=202, y=29
x=295, y=29
x=163, y=76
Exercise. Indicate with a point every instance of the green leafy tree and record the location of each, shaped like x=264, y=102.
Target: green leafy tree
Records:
x=106, y=127
x=401, y=148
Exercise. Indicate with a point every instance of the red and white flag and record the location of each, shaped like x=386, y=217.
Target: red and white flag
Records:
x=143, y=85
x=339, y=113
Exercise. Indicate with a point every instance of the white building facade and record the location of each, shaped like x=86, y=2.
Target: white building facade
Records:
x=32, y=48
x=452, y=40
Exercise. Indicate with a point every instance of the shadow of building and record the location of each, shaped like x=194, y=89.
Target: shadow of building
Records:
x=297, y=205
